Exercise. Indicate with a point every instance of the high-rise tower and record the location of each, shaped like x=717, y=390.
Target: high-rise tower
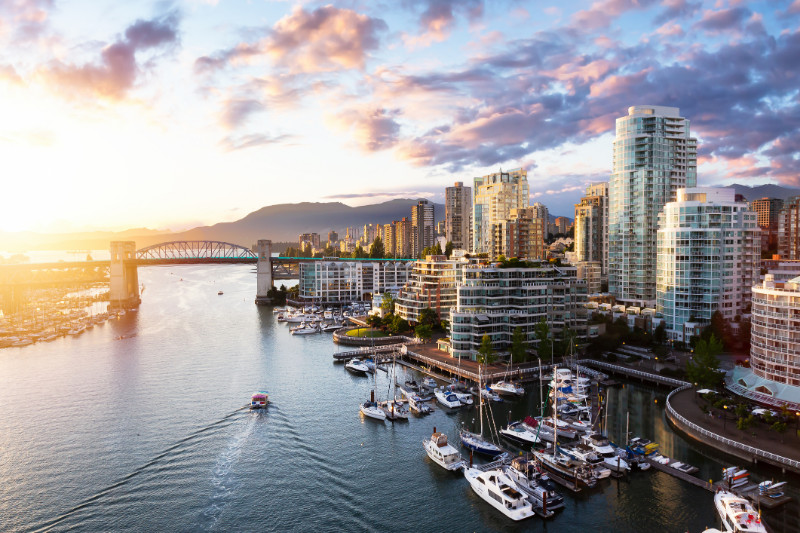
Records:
x=654, y=156
x=495, y=196
x=458, y=216
x=422, y=230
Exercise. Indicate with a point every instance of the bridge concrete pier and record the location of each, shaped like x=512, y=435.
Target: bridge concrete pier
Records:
x=263, y=272
x=124, y=276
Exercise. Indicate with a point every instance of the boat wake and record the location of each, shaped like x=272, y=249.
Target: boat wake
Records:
x=223, y=480
x=172, y=450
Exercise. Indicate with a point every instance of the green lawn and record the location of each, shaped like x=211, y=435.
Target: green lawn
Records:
x=366, y=332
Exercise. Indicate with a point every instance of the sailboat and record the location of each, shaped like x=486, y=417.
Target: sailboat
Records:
x=475, y=441
x=393, y=409
x=570, y=472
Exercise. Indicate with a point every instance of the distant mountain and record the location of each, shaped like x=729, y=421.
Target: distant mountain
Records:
x=765, y=191
x=282, y=222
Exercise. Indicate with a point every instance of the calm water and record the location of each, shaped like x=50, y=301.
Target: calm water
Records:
x=148, y=433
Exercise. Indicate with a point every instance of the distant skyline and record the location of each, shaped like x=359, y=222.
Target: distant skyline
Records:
x=178, y=114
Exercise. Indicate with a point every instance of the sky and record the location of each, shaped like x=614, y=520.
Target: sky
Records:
x=169, y=115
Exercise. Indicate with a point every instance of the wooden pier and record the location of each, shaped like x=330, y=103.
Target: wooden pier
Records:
x=694, y=480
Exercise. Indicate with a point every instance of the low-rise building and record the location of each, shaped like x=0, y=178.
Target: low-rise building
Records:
x=493, y=300
x=432, y=283
x=350, y=281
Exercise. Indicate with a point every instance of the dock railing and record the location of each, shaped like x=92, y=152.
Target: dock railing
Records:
x=638, y=373
x=729, y=442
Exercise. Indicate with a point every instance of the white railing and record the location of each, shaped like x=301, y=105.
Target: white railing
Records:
x=633, y=372
x=734, y=444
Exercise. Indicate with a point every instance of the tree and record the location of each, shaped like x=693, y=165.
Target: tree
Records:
x=423, y=331
x=448, y=249
x=486, y=352
x=387, y=303
x=359, y=253
x=398, y=325
x=518, y=346
x=660, y=334
x=428, y=317
x=374, y=321
x=376, y=251
x=545, y=346
x=720, y=328
x=702, y=368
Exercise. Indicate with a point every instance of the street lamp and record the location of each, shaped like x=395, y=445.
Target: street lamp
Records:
x=724, y=417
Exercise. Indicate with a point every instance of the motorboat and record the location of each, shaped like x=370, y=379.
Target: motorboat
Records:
x=599, y=443
x=488, y=394
x=564, y=429
x=394, y=410
x=308, y=330
x=447, y=398
x=357, y=366
x=429, y=383
x=520, y=434
x=416, y=405
x=737, y=514
x=331, y=327
x=497, y=488
x=464, y=397
x=259, y=400
x=643, y=446
x=372, y=410
x=507, y=388
x=525, y=473
x=589, y=456
x=577, y=474
x=412, y=385
x=442, y=453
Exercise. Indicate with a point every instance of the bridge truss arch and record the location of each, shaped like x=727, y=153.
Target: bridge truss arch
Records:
x=196, y=251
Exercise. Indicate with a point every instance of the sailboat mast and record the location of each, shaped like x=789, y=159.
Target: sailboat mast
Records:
x=480, y=399
x=627, y=427
x=555, y=413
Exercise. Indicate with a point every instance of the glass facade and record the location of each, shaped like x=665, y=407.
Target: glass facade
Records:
x=495, y=196
x=654, y=156
x=709, y=251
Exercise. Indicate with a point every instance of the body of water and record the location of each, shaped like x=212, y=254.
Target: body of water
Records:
x=139, y=425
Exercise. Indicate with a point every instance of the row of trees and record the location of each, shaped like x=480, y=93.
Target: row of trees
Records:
x=376, y=250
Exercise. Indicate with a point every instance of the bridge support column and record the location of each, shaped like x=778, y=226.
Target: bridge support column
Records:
x=263, y=272
x=124, y=278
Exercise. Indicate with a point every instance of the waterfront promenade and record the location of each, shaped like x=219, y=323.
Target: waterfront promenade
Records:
x=688, y=405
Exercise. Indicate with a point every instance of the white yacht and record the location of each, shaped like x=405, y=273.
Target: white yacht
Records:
x=442, y=453
x=737, y=514
x=446, y=398
x=372, y=410
x=395, y=410
x=464, y=397
x=497, y=489
x=519, y=434
x=308, y=330
x=506, y=388
x=589, y=456
x=357, y=366
x=525, y=473
x=611, y=459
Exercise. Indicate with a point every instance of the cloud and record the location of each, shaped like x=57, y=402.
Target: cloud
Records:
x=29, y=19
x=117, y=70
x=326, y=39
x=602, y=13
x=676, y=10
x=8, y=74
x=438, y=17
x=346, y=196
x=723, y=19
x=240, y=142
x=374, y=129
x=236, y=112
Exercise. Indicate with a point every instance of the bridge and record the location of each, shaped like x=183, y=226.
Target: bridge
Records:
x=122, y=269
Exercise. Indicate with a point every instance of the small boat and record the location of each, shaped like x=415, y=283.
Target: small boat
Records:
x=737, y=514
x=412, y=385
x=683, y=467
x=357, y=366
x=735, y=476
x=489, y=395
x=372, y=410
x=600, y=444
x=416, y=405
x=442, y=453
x=564, y=429
x=259, y=400
x=395, y=410
x=307, y=330
x=429, y=383
x=589, y=456
x=497, y=489
x=506, y=388
x=448, y=399
x=576, y=473
x=219, y=293
x=331, y=327
x=528, y=478
x=643, y=446
x=520, y=434
x=464, y=397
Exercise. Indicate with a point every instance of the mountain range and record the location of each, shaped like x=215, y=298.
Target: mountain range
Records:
x=279, y=223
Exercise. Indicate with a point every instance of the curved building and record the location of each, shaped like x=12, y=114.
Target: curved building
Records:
x=774, y=374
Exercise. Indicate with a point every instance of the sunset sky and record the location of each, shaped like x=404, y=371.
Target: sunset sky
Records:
x=169, y=115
